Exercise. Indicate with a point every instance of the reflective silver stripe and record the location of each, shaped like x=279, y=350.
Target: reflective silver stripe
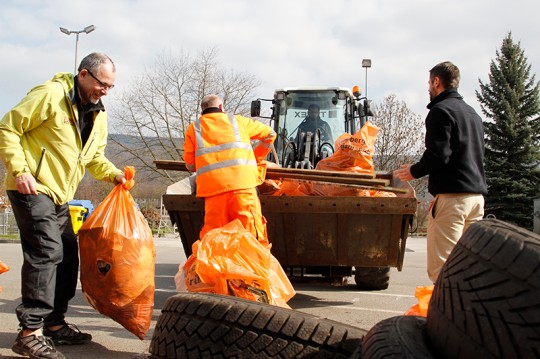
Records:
x=222, y=147
x=236, y=133
x=269, y=137
x=237, y=144
x=234, y=125
x=198, y=136
x=228, y=163
x=267, y=141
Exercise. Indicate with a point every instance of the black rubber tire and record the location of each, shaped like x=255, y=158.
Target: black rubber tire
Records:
x=401, y=337
x=486, y=301
x=196, y=325
x=372, y=278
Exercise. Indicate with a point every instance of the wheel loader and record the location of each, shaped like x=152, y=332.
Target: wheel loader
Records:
x=329, y=237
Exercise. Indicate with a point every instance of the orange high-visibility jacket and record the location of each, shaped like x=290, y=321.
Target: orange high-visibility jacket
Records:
x=219, y=145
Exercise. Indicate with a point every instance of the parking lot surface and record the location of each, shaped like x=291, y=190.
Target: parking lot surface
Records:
x=345, y=304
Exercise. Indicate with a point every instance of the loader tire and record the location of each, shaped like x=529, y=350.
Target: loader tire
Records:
x=486, y=301
x=372, y=278
x=197, y=325
x=401, y=337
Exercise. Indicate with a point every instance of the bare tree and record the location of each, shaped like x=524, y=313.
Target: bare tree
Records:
x=157, y=108
x=401, y=134
x=93, y=190
x=400, y=141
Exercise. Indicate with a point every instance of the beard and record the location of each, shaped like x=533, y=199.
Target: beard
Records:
x=432, y=94
x=89, y=99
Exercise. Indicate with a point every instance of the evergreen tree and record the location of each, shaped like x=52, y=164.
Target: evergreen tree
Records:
x=511, y=103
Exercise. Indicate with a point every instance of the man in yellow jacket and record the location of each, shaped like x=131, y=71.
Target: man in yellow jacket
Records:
x=47, y=141
x=218, y=147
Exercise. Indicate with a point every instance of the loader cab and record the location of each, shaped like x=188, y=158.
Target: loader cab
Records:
x=308, y=122
x=305, y=138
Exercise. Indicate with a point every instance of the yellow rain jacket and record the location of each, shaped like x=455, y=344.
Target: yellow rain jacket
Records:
x=40, y=136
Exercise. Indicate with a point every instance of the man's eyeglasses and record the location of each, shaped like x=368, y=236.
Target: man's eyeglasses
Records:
x=103, y=85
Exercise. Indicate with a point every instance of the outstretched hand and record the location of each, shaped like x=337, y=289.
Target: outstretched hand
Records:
x=404, y=173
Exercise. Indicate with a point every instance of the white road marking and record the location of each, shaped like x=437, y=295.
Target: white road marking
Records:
x=389, y=295
x=367, y=309
x=165, y=290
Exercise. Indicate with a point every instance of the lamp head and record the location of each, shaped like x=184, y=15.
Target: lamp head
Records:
x=357, y=92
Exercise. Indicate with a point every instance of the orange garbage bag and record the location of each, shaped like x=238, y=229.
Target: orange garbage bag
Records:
x=331, y=189
x=230, y=261
x=117, y=260
x=187, y=278
x=290, y=187
x=375, y=193
x=423, y=294
x=268, y=187
x=353, y=153
x=3, y=268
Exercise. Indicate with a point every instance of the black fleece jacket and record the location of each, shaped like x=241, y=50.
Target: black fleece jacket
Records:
x=454, y=154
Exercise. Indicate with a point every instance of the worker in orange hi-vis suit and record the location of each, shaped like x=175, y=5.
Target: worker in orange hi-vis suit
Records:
x=217, y=147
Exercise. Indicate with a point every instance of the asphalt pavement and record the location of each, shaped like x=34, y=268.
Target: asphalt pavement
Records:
x=345, y=304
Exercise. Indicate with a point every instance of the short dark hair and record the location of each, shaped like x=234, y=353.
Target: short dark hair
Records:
x=93, y=61
x=314, y=107
x=448, y=73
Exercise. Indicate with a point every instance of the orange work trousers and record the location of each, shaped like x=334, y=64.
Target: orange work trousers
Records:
x=243, y=204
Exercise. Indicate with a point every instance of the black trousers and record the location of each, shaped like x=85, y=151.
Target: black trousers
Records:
x=51, y=259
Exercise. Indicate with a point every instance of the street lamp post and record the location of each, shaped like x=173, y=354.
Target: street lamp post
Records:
x=366, y=63
x=86, y=30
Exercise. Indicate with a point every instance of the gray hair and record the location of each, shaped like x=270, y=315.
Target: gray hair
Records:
x=93, y=62
x=211, y=100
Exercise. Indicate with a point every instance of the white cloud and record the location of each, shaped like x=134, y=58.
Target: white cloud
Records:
x=285, y=43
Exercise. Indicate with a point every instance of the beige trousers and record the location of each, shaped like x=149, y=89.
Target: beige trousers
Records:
x=450, y=214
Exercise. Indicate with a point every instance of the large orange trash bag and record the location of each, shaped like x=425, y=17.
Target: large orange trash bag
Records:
x=187, y=278
x=117, y=260
x=290, y=187
x=3, y=268
x=353, y=153
x=332, y=189
x=423, y=294
x=231, y=261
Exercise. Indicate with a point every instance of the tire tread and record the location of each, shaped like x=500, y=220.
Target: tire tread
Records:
x=486, y=302
x=224, y=327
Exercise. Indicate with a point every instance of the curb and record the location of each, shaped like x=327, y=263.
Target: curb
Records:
x=6, y=240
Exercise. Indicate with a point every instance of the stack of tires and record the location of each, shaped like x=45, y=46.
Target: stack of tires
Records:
x=485, y=304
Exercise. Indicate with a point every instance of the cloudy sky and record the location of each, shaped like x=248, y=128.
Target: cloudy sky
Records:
x=286, y=43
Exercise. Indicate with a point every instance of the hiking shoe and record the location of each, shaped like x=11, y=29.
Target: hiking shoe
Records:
x=36, y=347
x=69, y=334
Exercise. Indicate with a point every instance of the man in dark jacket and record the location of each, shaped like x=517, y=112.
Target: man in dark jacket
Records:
x=313, y=121
x=454, y=161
